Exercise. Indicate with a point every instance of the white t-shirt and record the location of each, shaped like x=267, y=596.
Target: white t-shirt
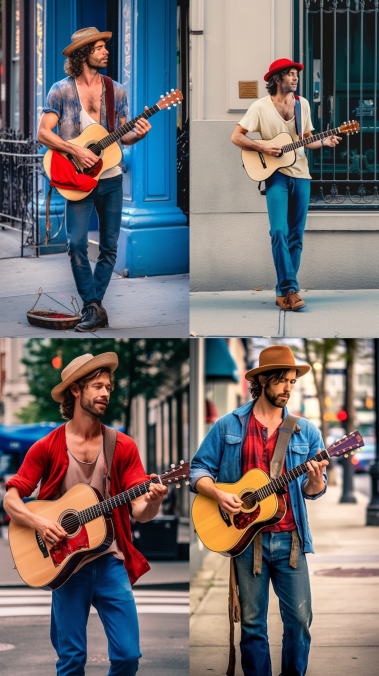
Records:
x=264, y=118
x=85, y=121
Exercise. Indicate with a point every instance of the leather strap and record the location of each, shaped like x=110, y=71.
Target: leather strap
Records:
x=286, y=430
x=110, y=439
x=48, y=200
x=109, y=103
x=298, y=117
x=234, y=616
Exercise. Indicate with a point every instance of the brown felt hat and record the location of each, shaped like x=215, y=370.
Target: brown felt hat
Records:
x=83, y=37
x=80, y=367
x=276, y=357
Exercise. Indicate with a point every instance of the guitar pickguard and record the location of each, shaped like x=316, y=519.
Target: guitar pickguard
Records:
x=95, y=170
x=69, y=545
x=244, y=519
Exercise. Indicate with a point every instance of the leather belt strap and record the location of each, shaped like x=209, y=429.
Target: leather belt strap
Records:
x=48, y=200
x=286, y=430
x=234, y=616
x=109, y=103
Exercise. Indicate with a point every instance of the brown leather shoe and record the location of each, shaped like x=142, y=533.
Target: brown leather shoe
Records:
x=291, y=301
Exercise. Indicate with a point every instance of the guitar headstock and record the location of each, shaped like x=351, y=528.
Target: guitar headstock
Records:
x=175, y=474
x=349, y=127
x=346, y=445
x=171, y=99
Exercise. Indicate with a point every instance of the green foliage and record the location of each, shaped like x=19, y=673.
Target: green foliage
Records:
x=144, y=366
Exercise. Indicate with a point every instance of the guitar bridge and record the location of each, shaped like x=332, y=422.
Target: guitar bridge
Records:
x=225, y=517
x=262, y=159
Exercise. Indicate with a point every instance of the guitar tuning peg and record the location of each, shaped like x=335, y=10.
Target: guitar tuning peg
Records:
x=172, y=90
x=174, y=104
x=169, y=108
x=166, y=93
x=162, y=97
x=181, y=462
x=345, y=455
x=172, y=465
x=177, y=485
x=352, y=452
x=345, y=122
x=169, y=481
x=359, y=450
x=344, y=436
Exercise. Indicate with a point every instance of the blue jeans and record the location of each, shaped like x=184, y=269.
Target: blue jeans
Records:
x=287, y=203
x=104, y=583
x=292, y=587
x=106, y=198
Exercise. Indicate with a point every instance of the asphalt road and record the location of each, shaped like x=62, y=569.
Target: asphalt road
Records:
x=164, y=644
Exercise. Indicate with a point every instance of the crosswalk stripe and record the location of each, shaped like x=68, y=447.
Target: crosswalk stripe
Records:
x=19, y=603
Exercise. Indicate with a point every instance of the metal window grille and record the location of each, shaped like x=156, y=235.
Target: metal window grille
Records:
x=340, y=42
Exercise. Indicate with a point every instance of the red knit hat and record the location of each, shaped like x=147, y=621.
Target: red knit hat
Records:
x=280, y=64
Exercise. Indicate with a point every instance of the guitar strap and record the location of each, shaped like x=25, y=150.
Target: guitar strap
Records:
x=109, y=103
x=286, y=430
x=110, y=439
x=299, y=130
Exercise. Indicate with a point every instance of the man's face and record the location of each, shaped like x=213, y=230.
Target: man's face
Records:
x=290, y=81
x=279, y=393
x=95, y=397
x=99, y=57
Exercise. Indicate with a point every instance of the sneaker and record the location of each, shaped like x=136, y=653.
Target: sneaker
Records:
x=291, y=301
x=94, y=317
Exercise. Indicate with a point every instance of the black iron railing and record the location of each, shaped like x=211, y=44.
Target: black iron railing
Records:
x=341, y=83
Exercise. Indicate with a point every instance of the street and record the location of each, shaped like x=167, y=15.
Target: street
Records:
x=149, y=307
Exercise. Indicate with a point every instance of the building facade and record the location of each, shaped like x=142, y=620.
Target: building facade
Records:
x=148, y=56
x=337, y=41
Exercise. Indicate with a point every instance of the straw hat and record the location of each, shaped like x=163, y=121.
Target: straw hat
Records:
x=276, y=357
x=84, y=37
x=80, y=367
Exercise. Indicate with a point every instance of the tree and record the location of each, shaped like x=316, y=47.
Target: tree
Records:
x=144, y=366
x=322, y=351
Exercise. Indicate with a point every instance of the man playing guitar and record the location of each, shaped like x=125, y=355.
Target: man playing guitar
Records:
x=73, y=104
x=72, y=454
x=237, y=443
x=288, y=189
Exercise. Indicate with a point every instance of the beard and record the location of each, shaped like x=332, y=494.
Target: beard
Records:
x=275, y=399
x=90, y=406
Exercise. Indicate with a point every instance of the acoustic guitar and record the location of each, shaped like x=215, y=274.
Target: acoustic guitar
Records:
x=263, y=503
x=86, y=517
x=103, y=144
x=260, y=166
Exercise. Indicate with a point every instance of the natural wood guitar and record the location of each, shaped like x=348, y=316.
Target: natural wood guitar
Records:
x=103, y=144
x=260, y=166
x=263, y=503
x=86, y=517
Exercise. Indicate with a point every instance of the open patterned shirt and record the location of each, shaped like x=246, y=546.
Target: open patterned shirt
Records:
x=257, y=452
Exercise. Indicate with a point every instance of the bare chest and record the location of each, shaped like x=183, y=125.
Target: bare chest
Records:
x=286, y=111
x=84, y=451
x=91, y=100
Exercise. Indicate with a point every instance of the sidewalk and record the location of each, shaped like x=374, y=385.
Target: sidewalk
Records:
x=351, y=314
x=345, y=636
x=145, y=307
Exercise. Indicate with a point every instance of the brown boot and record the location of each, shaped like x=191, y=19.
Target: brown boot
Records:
x=291, y=301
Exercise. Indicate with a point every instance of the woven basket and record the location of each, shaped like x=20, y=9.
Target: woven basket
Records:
x=45, y=319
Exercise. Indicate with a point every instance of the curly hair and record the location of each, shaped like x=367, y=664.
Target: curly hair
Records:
x=74, y=63
x=67, y=406
x=262, y=379
x=272, y=84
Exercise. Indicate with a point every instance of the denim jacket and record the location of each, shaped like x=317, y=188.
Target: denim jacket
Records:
x=219, y=457
x=63, y=100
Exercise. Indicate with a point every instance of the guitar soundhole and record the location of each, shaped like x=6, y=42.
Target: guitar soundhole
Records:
x=70, y=522
x=96, y=151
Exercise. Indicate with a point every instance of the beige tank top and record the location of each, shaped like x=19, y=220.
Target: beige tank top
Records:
x=90, y=473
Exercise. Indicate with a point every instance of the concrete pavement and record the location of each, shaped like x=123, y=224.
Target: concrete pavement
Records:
x=145, y=307
x=331, y=314
x=345, y=635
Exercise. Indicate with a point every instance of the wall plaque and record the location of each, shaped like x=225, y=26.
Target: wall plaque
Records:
x=248, y=89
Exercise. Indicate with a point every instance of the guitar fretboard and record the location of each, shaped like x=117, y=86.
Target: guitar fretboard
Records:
x=105, y=507
x=128, y=126
x=276, y=485
x=310, y=139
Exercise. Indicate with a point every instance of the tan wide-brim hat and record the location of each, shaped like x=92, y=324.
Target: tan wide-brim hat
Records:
x=277, y=357
x=84, y=37
x=80, y=367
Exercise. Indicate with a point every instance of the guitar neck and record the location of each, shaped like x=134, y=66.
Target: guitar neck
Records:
x=310, y=139
x=128, y=126
x=281, y=482
x=104, y=508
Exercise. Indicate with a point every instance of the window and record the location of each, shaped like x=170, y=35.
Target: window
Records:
x=340, y=52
